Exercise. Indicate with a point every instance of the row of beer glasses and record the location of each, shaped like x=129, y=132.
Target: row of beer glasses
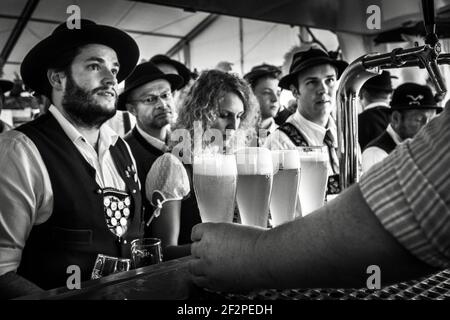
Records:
x=260, y=180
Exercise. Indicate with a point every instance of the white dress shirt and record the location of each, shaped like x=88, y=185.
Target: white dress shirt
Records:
x=373, y=155
x=313, y=133
x=26, y=195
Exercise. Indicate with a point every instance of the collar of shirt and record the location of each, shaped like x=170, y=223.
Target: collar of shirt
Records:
x=270, y=125
x=313, y=133
x=377, y=104
x=393, y=135
x=155, y=142
x=101, y=160
x=107, y=136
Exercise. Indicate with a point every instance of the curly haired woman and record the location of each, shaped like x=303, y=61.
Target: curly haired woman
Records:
x=219, y=103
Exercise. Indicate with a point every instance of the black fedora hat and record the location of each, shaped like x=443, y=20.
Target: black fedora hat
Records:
x=6, y=85
x=41, y=57
x=413, y=96
x=182, y=70
x=145, y=73
x=307, y=59
x=381, y=82
x=261, y=71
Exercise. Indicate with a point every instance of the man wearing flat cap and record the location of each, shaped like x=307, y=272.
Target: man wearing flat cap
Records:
x=5, y=86
x=374, y=96
x=264, y=80
x=312, y=80
x=148, y=96
x=412, y=107
x=68, y=189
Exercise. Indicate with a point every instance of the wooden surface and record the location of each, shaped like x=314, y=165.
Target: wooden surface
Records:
x=165, y=281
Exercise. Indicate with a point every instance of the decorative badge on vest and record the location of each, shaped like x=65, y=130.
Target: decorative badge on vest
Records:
x=117, y=209
x=130, y=171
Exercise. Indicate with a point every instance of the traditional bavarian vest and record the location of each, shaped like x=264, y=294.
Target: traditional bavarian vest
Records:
x=84, y=216
x=333, y=185
x=145, y=155
x=384, y=142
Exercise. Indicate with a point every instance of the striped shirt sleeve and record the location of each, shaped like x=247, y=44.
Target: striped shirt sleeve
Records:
x=409, y=192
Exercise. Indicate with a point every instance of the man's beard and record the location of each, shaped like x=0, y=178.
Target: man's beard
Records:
x=82, y=108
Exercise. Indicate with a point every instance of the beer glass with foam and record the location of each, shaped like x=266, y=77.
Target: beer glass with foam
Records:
x=313, y=177
x=215, y=179
x=286, y=178
x=254, y=187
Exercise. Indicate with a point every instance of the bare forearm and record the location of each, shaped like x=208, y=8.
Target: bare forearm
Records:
x=333, y=248
x=12, y=286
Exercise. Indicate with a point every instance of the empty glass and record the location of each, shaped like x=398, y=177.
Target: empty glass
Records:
x=106, y=265
x=145, y=252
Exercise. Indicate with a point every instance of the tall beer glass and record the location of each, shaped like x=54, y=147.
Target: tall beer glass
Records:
x=254, y=187
x=286, y=178
x=215, y=178
x=313, y=177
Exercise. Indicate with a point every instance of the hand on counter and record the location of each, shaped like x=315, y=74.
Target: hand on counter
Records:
x=226, y=257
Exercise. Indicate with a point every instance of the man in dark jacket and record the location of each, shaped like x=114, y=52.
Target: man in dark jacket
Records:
x=148, y=96
x=374, y=97
x=412, y=106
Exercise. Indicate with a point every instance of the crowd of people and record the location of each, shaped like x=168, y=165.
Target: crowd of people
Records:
x=62, y=171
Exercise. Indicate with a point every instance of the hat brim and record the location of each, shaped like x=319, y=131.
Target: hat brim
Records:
x=257, y=74
x=182, y=70
x=36, y=63
x=291, y=78
x=415, y=107
x=175, y=83
x=6, y=85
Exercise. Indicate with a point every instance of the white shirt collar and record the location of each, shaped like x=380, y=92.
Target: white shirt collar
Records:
x=313, y=133
x=107, y=135
x=157, y=143
x=272, y=125
x=393, y=135
x=377, y=104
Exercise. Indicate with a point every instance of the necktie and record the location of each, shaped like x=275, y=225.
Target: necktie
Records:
x=328, y=140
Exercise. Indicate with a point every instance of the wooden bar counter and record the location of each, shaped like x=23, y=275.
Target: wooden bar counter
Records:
x=171, y=281
x=165, y=281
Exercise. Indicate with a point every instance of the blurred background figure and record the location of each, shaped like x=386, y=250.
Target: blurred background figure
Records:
x=224, y=66
x=374, y=97
x=168, y=65
x=412, y=106
x=263, y=80
x=5, y=86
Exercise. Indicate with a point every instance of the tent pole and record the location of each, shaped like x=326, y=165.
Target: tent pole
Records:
x=18, y=28
x=241, y=43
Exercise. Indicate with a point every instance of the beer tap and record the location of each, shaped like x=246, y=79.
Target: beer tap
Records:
x=427, y=56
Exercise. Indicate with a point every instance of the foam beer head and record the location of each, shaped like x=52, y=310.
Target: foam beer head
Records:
x=316, y=153
x=285, y=160
x=254, y=160
x=215, y=164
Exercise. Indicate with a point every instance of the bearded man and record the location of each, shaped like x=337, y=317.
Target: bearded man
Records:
x=69, y=188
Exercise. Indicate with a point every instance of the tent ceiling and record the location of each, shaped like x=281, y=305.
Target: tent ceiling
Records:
x=342, y=15
x=159, y=25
